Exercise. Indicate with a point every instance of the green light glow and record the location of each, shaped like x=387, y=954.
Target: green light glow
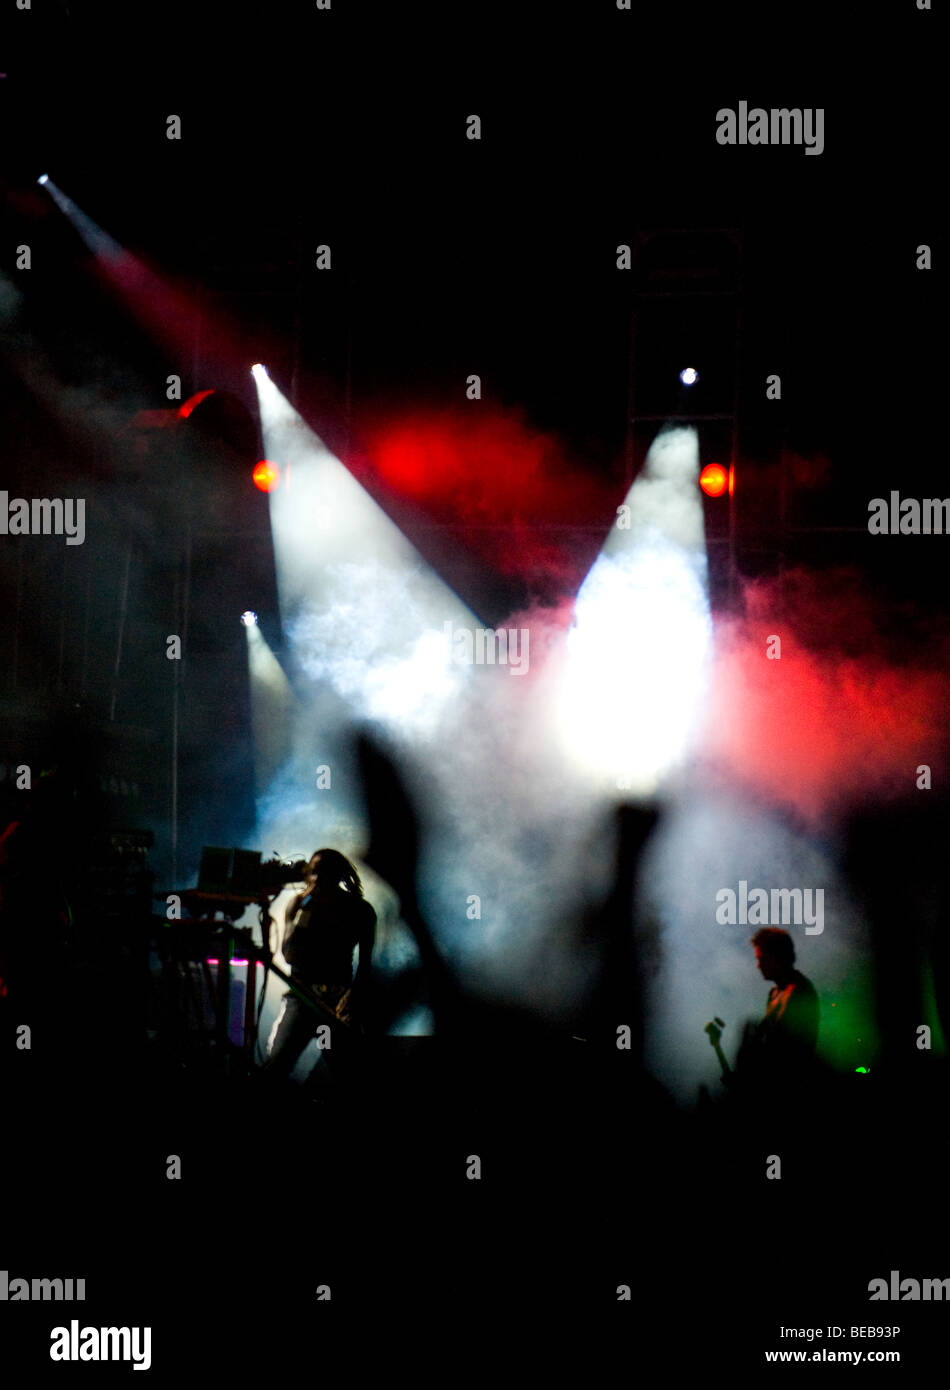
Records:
x=848, y=1036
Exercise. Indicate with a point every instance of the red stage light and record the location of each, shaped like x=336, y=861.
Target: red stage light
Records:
x=188, y=406
x=266, y=475
x=714, y=479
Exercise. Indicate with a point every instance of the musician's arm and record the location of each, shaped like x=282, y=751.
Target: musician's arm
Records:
x=289, y=924
x=714, y=1034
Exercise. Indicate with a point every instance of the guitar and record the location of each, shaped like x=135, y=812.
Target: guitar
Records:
x=254, y=952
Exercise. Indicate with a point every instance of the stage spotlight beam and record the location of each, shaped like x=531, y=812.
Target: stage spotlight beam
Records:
x=363, y=610
x=272, y=705
x=364, y=618
x=637, y=654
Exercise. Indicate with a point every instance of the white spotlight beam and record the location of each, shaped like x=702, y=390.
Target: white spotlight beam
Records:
x=637, y=654
x=272, y=707
x=364, y=610
x=98, y=241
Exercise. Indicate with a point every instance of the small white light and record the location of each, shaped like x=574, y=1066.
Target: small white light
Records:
x=258, y=370
x=689, y=376
x=43, y=178
x=249, y=619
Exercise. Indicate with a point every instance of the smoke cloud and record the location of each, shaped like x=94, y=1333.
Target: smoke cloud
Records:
x=517, y=834
x=848, y=713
